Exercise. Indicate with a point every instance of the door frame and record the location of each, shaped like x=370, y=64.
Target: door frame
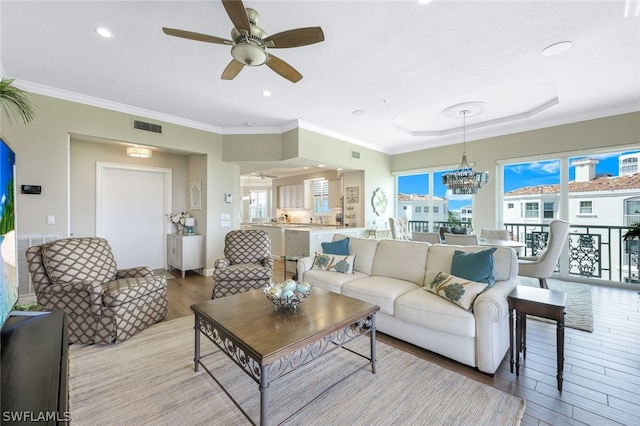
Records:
x=167, y=175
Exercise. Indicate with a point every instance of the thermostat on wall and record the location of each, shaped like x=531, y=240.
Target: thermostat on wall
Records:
x=31, y=189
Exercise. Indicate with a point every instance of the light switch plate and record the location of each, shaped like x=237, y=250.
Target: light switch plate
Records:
x=225, y=216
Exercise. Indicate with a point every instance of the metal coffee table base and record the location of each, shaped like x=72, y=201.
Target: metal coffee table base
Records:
x=266, y=374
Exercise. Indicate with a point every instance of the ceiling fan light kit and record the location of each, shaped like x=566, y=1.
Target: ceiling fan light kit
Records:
x=464, y=180
x=250, y=42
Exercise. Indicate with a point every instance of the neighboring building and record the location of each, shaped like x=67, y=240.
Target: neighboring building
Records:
x=418, y=207
x=598, y=206
x=593, y=199
x=465, y=214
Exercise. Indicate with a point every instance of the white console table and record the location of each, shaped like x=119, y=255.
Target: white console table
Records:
x=185, y=252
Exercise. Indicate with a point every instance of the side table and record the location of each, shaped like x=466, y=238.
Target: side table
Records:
x=540, y=302
x=291, y=259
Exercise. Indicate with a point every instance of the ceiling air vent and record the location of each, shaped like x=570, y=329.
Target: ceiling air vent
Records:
x=355, y=154
x=147, y=127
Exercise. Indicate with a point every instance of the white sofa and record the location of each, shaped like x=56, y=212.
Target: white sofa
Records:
x=391, y=274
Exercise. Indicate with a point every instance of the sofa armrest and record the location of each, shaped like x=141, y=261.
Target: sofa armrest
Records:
x=221, y=263
x=491, y=311
x=268, y=262
x=137, y=272
x=304, y=265
x=75, y=295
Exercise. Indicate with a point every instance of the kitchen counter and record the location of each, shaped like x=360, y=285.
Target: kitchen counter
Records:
x=305, y=241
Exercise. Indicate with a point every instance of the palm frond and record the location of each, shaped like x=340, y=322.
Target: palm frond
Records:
x=15, y=102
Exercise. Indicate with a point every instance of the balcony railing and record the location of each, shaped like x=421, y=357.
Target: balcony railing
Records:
x=591, y=251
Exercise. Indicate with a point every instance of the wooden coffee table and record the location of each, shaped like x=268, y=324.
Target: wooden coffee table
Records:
x=260, y=340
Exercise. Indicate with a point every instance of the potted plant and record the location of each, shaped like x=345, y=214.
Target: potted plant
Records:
x=15, y=102
x=632, y=233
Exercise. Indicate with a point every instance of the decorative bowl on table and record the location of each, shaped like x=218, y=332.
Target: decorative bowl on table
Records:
x=286, y=296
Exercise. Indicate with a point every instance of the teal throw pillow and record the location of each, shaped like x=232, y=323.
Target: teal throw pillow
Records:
x=340, y=247
x=474, y=266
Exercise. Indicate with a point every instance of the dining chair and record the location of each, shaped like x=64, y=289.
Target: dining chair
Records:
x=494, y=234
x=461, y=239
x=429, y=237
x=542, y=266
x=399, y=228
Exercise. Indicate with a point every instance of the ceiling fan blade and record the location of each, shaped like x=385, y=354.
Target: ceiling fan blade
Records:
x=195, y=36
x=232, y=70
x=295, y=38
x=238, y=15
x=284, y=69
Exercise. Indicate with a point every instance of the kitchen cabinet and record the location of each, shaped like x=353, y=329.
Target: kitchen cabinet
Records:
x=335, y=193
x=185, y=252
x=291, y=196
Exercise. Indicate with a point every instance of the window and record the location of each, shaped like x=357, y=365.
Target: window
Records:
x=548, y=212
x=586, y=207
x=510, y=205
x=425, y=209
x=628, y=165
x=417, y=209
x=531, y=211
x=436, y=209
x=321, y=196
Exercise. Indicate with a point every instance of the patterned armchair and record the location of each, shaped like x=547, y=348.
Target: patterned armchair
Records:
x=103, y=304
x=247, y=263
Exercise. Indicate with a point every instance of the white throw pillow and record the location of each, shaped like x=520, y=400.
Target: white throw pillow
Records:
x=458, y=290
x=334, y=263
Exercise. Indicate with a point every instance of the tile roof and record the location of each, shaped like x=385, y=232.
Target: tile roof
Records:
x=605, y=183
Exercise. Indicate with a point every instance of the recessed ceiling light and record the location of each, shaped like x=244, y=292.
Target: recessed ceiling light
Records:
x=359, y=112
x=266, y=93
x=556, y=48
x=104, y=32
x=320, y=165
x=248, y=123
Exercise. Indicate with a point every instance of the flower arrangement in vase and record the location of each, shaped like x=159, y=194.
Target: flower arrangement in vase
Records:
x=179, y=219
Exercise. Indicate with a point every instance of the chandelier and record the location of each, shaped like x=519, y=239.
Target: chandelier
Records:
x=464, y=180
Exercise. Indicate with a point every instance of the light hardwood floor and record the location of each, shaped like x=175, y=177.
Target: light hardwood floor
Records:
x=601, y=371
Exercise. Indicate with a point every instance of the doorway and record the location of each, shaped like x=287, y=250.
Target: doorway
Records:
x=131, y=202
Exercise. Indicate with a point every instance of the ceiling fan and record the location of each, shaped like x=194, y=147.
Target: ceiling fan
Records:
x=261, y=175
x=250, y=42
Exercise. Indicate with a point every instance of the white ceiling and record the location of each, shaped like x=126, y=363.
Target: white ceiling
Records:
x=400, y=62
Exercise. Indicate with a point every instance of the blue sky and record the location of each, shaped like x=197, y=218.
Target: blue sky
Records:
x=515, y=176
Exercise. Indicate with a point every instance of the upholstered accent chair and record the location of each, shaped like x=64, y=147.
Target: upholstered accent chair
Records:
x=494, y=234
x=103, y=304
x=461, y=239
x=399, y=228
x=542, y=267
x=247, y=263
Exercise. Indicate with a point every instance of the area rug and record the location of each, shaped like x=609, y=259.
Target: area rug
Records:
x=579, y=312
x=149, y=379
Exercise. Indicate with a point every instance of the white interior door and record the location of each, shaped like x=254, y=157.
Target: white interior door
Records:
x=131, y=202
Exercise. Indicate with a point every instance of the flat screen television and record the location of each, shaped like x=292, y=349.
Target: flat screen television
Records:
x=8, y=257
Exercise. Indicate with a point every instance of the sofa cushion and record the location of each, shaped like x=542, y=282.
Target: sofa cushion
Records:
x=403, y=260
x=476, y=266
x=381, y=291
x=340, y=247
x=431, y=311
x=364, y=249
x=69, y=260
x=330, y=280
x=457, y=290
x=333, y=263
